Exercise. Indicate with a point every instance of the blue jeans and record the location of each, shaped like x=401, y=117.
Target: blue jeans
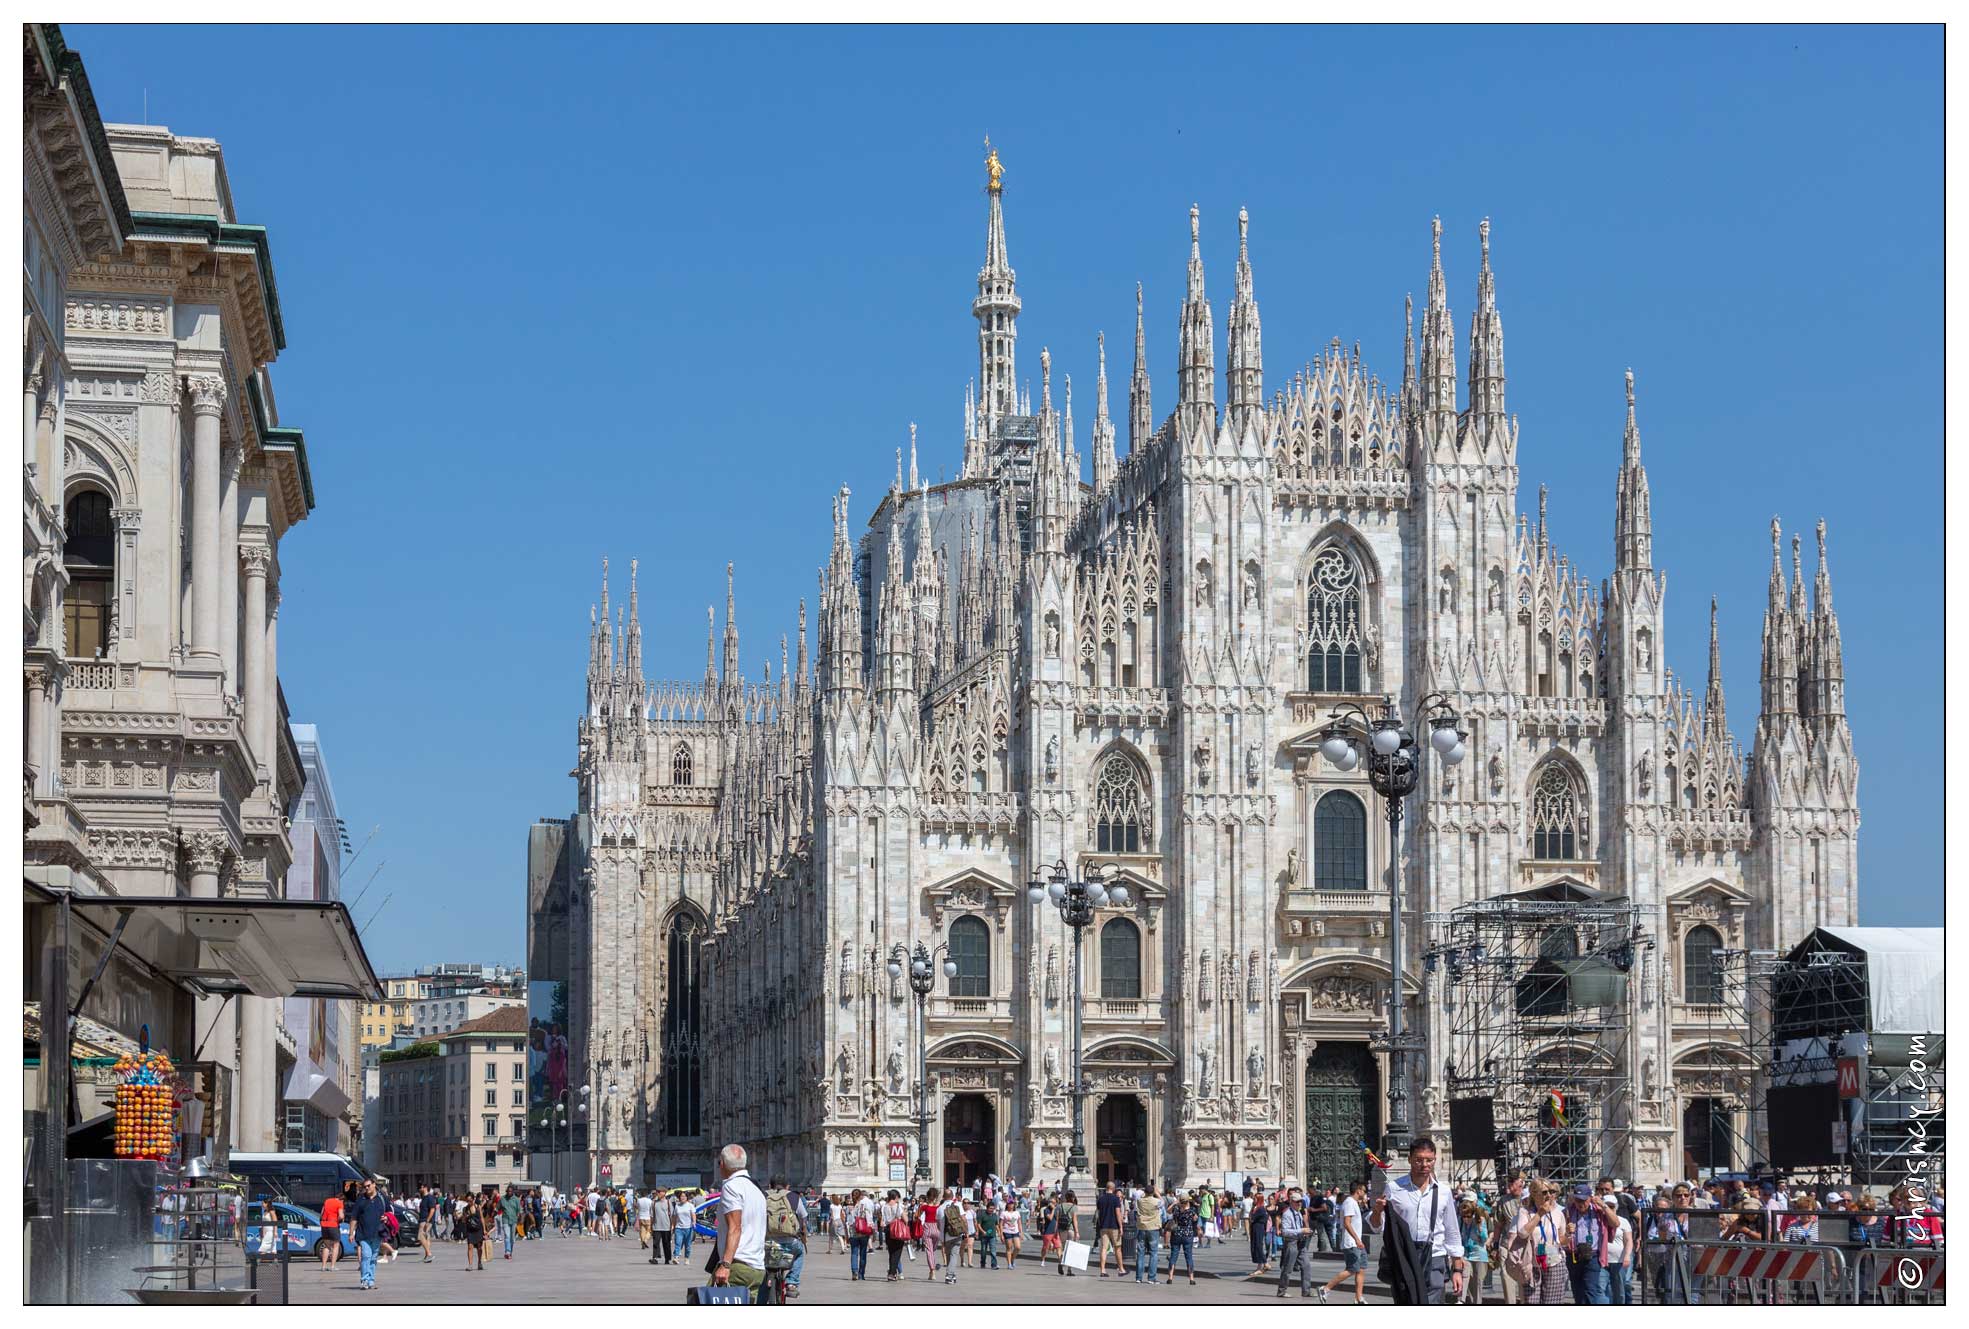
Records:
x=987, y=1250
x=1620, y=1285
x=1148, y=1246
x=685, y=1231
x=367, y=1249
x=858, y=1257
x=1187, y=1246
x=1589, y=1281
x=509, y=1238
x=799, y=1249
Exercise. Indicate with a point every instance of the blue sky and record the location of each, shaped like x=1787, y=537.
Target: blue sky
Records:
x=555, y=293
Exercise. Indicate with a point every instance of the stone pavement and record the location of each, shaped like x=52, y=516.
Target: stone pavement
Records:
x=588, y=1270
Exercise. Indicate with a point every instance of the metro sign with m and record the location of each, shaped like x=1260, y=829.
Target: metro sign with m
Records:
x=1849, y=1077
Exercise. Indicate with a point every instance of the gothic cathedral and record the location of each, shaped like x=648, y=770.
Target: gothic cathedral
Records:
x=1019, y=668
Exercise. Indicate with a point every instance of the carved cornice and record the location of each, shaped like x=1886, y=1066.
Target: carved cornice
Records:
x=255, y=559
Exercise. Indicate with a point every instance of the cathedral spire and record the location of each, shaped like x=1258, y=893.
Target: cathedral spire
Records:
x=731, y=630
x=1196, y=354
x=1712, y=702
x=802, y=665
x=1438, y=367
x=1799, y=609
x=996, y=307
x=1245, y=368
x=632, y=645
x=710, y=649
x=1141, y=420
x=1106, y=463
x=913, y=484
x=1829, y=669
x=1633, y=525
x=1778, y=673
x=1409, y=399
x=1486, y=343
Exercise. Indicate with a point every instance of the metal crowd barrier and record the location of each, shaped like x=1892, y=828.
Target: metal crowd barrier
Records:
x=1899, y=1277
x=1707, y=1267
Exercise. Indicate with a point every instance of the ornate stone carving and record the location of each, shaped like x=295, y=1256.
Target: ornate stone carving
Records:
x=208, y=393
x=157, y=388
x=1207, y=1079
x=1347, y=995
x=1254, y=1072
x=203, y=850
x=255, y=559
x=894, y=1068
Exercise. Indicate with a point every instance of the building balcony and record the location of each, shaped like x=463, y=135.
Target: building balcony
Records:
x=971, y=1011
x=1124, y=1011
x=1307, y=912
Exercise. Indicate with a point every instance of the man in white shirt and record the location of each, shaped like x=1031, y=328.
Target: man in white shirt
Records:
x=1353, y=1247
x=645, y=1209
x=1427, y=1206
x=741, y=1223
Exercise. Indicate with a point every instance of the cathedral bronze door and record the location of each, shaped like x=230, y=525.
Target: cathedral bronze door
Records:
x=968, y=1128
x=1121, y=1132
x=1343, y=1111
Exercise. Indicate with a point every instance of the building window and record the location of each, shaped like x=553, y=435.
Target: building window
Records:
x=682, y=1054
x=519, y=1098
x=1333, y=624
x=1121, y=807
x=1702, y=967
x=680, y=764
x=492, y=1158
x=519, y=1072
x=1556, y=825
x=492, y=1098
x=1339, y=843
x=970, y=950
x=491, y=1071
x=492, y=1128
x=89, y=556
x=1121, y=960
x=519, y=1127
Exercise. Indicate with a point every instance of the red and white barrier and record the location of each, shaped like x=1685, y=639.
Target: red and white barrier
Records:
x=1776, y=1263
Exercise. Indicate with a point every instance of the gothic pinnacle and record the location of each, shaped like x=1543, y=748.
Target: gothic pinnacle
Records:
x=912, y=455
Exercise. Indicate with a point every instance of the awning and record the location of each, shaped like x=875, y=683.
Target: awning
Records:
x=313, y=1086
x=239, y=947
x=1903, y=974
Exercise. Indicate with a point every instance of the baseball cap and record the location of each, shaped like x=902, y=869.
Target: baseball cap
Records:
x=1768, y=1187
x=1835, y=1197
x=1582, y=1192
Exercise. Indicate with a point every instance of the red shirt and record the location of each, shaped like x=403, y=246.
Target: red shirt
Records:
x=331, y=1211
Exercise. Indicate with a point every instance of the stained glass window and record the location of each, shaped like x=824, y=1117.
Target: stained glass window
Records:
x=1333, y=624
x=1339, y=843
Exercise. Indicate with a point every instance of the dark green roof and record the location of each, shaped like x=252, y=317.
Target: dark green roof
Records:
x=224, y=233
x=69, y=64
x=276, y=437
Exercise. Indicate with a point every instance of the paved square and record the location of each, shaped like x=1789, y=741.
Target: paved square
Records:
x=588, y=1270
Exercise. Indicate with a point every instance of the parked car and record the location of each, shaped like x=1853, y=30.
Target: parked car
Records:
x=301, y=1227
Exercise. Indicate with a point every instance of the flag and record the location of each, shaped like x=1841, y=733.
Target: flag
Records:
x=1373, y=1157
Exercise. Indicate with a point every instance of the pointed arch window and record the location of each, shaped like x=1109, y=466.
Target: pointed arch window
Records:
x=1333, y=624
x=1121, y=961
x=1557, y=826
x=1339, y=843
x=1121, y=807
x=683, y=1056
x=970, y=949
x=680, y=764
x=89, y=557
x=1702, y=967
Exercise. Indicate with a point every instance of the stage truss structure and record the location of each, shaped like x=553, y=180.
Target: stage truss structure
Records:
x=1538, y=998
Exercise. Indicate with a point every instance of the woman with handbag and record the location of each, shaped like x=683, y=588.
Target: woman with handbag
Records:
x=858, y=1216
x=894, y=1219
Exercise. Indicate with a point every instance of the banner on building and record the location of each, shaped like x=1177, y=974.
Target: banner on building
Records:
x=546, y=1051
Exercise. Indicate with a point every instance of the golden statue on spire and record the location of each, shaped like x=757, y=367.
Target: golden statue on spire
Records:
x=994, y=168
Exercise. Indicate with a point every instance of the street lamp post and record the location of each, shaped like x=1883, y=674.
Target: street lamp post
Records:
x=1077, y=901
x=922, y=968
x=1350, y=737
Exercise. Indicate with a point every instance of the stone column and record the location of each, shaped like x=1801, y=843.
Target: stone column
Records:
x=266, y=738
x=216, y=1020
x=254, y=558
x=38, y=686
x=208, y=400
x=30, y=435
x=258, y=1095
x=48, y=449
x=229, y=469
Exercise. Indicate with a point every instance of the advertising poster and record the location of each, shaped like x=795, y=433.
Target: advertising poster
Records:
x=546, y=1049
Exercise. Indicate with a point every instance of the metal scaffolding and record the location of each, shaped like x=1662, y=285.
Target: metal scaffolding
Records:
x=1729, y=1070
x=1540, y=1023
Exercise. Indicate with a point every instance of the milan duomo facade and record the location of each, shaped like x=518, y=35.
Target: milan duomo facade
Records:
x=1016, y=668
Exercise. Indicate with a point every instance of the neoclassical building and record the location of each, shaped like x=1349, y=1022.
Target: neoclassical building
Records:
x=159, y=485
x=1020, y=667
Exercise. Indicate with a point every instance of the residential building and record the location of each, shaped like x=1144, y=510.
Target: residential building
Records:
x=485, y=1091
x=405, y=1128
x=435, y=1017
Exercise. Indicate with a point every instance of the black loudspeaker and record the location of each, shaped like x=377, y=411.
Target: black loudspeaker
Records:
x=1472, y=1128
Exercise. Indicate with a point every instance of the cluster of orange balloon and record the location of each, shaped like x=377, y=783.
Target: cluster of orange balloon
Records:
x=146, y=1107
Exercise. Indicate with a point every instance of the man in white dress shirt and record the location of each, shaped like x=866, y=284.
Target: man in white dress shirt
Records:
x=1429, y=1208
